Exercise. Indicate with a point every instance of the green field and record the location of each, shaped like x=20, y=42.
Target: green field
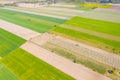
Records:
x=9, y=42
x=95, y=25
x=28, y=67
x=5, y=74
x=35, y=22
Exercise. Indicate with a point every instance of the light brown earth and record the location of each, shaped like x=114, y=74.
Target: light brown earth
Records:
x=18, y=30
x=77, y=71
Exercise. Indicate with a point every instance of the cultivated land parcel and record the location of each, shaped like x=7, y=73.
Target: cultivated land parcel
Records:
x=66, y=38
x=8, y=42
x=27, y=67
x=22, y=59
x=5, y=74
x=88, y=30
x=31, y=21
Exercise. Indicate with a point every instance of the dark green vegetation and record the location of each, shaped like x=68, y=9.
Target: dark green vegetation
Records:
x=28, y=67
x=95, y=25
x=5, y=74
x=35, y=22
x=8, y=42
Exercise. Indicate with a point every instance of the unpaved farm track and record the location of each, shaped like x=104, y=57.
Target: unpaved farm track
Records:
x=18, y=30
x=77, y=71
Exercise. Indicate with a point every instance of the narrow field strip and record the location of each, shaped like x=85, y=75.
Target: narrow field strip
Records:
x=95, y=41
x=52, y=19
x=18, y=30
x=82, y=49
x=8, y=42
x=101, y=34
x=41, y=14
x=95, y=53
x=91, y=32
x=30, y=21
x=51, y=11
x=106, y=27
x=102, y=15
x=28, y=67
x=77, y=71
x=6, y=74
x=77, y=58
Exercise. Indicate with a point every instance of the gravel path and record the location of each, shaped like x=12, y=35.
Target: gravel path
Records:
x=18, y=30
x=77, y=71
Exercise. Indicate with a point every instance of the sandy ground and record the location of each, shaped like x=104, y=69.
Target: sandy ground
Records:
x=99, y=34
x=77, y=71
x=41, y=14
x=18, y=30
x=92, y=52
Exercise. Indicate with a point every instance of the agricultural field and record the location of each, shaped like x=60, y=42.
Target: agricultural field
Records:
x=103, y=42
x=102, y=14
x=6, y=74
x=93, y=64
x=35, y=22
x=95, y=25
x=59, y=42
x=54, y=11
x=27, y=67
x=95, y=59
x=81, y=59
x=8, y=42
